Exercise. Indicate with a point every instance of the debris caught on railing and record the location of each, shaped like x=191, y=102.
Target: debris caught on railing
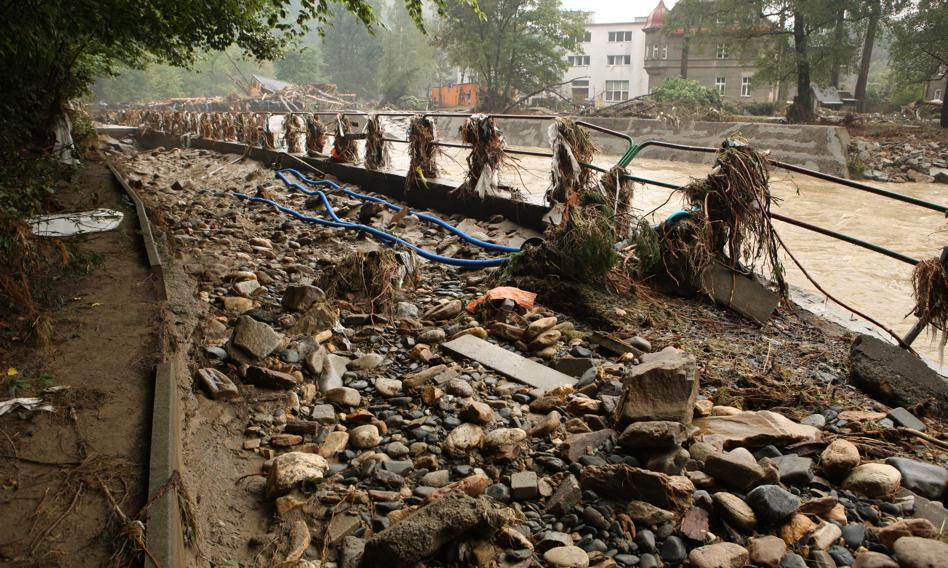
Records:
x=376, y=149
x=486, y=157
x=930, y=290
x=422, y=152
x=315, y=135
x=344, y=148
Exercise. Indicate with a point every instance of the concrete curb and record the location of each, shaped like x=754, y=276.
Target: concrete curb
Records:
x=163, y=535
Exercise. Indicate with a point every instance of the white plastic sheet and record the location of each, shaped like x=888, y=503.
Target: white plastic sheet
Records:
x=78, y=223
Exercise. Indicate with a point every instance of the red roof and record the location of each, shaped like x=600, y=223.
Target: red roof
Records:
x=656, y=19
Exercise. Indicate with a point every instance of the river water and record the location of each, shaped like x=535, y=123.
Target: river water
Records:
x=871, y=283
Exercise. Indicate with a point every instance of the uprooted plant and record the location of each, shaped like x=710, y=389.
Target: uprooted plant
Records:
x=422, y=151
x=315, y=135
x=734, y=203
x=930, y=290
x=371, y=277
x=572, y=147
x=376, y=150
x=486, y=157
x=344, y=148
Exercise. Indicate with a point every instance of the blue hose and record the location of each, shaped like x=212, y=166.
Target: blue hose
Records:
x=424, y=216
x=386, y=238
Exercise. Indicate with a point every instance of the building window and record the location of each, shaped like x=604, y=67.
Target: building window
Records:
x=617, y=91
x=620, y=36
x=578, y=60
x=587, y=37
x=937, y=94
x=619, y=59
x=722, y=51
x=664, y=52
x=745, y=86
x=720, y=83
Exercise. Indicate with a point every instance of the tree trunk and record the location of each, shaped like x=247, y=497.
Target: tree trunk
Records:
x=838, y=35
x=871, y=29
x=944, y=104
x=802, y=108
x=684, y=56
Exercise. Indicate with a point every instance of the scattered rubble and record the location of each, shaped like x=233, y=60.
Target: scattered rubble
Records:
x=907, y=157
x=404, y=428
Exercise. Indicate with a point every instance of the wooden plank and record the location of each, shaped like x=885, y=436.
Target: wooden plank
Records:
x=508, y=363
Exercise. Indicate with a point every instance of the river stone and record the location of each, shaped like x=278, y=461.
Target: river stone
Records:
x=566, y=557
x=925, y=479
x=622, y=481
x=367, y=362
x=300, y=298
x=923, y=528
x=772, y=503
x=839, y=458
x=737, y=469
x=917, y=552
x=664, y=388
x=345, y=396
x=874, y=560
x=720, y=555
x=794, y=469
x=825, y=536
x=653, y=434
x=463, y=439
x=766, y=551
x=735, y=510
x=291, y=469
x=568, y=493
x=388, y=387
x=875, y=480
x=364, y=437
x=270, y=379
x=504, y=437
x=444, y=311
x=255, y=338
x=477, y=413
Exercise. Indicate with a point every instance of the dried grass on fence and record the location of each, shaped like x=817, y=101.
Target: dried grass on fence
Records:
x=315, y=135
x=422, y=152
x=571, y=147
x=376, y=149
x=930, y=287
x=486, y=157
x=736, y=200
x=344, y=149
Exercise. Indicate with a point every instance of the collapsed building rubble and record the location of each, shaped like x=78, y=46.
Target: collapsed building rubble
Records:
x=387, y=435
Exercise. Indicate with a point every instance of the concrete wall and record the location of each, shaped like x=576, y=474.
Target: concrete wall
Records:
x=821, y=148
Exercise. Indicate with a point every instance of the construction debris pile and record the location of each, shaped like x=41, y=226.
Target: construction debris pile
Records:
x=403, y=412
x=905, y=158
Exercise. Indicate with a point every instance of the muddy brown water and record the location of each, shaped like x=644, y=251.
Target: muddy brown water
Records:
x=871, y=283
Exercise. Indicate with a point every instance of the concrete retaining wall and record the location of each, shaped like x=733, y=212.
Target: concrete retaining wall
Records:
x=821, y=148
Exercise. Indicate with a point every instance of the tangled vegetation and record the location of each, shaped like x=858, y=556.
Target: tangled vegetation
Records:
x=687, y=93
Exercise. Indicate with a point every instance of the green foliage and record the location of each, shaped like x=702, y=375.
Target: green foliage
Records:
x=408, y=62
x=687, y=93
x=302, y=67
x=920, y=42
x=514, y=47
x=351, y=55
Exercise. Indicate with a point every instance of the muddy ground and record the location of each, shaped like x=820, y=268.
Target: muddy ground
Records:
x=99, y=367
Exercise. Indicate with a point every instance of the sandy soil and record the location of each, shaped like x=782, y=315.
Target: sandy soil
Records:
x=52, y=507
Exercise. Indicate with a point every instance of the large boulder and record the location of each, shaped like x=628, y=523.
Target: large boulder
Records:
x=896, y=376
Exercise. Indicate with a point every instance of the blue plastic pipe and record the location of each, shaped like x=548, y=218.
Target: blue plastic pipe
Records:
x=386, y=238
x=424, y=216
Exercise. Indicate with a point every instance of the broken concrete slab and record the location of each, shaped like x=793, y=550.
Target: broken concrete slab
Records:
x=422, y=533
x=627, y=483
x=744, y=295
x=753, y=430
x=509, y=363
x=896, y=376
x=664, y=388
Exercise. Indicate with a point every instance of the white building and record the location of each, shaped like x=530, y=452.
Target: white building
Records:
x=611, y=65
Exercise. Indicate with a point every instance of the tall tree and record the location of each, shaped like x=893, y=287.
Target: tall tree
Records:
x=51, y=50
x=351, y=54
x=919, y=49
x=875, y=13
x=408, y=61
x=514, y=47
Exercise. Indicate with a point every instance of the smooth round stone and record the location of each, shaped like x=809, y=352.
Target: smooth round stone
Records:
x=917, y=552
x=854, y=534
x=566, y=557
x=649, y=560
x=626, y=559
x=498, y=492
x=792, y=560
x=519, y=554
x=840, y=555
x=646, y=540
x=772, y=503
x=673, y=550
x=873, y=480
